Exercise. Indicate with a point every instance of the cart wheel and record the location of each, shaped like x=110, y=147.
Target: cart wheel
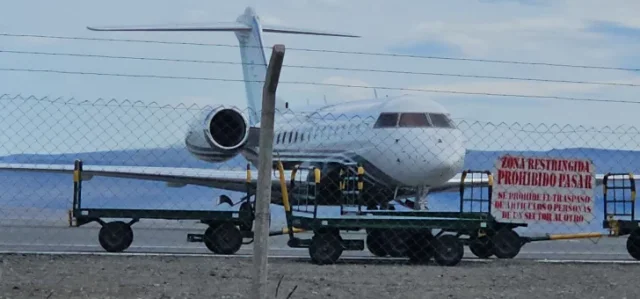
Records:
x=115, y=236
x=448, y=250
x=394, y=242
x=223, y=239
x=374, y=243
x=633, y=244
x=506, y=244
x=246, y=225
x=481, y=247
x=371, y=207
x=325, y=248
x=420, y=247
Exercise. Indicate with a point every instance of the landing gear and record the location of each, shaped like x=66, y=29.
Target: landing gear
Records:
x=420, y=202
x=115, y=236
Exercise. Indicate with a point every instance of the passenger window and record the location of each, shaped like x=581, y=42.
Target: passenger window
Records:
x=278, y=140
x=290, y=136
x=386, y=120
x=441, y=120
x=414, y=120
x=295, y=139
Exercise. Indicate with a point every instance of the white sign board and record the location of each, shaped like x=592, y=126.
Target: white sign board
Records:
x=543, y=189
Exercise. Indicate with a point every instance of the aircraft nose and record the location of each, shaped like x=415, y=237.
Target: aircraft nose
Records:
x=433, y=159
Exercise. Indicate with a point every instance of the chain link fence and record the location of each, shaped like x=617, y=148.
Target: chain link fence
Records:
x=494, y=190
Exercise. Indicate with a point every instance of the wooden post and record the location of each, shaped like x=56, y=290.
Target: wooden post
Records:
x=265, y=164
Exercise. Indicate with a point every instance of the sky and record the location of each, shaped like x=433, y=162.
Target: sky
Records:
x=575, y=32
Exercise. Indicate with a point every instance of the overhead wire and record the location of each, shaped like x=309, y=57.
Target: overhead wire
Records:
x=329, y=51
x=320, y=68
x=315, y=83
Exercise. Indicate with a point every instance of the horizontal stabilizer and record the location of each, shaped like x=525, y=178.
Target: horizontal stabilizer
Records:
x=223, y=26
x=290, y=30
x=220, y=26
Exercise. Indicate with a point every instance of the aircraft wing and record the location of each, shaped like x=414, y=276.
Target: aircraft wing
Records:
x=453, y=185
x=232, y=179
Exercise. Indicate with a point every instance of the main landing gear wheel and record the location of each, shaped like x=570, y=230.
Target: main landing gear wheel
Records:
x=224, y=238
x=115, y=236
x=448, y=250
x=326, y=248
x=506, y=244
x=482, y=247
x=633, y=244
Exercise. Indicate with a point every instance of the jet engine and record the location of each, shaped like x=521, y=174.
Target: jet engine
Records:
x=219, y=135
x=226, y=129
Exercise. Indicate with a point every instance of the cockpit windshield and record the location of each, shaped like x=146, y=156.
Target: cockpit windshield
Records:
x=387, y=120
x=414, y=120
x=440, y=120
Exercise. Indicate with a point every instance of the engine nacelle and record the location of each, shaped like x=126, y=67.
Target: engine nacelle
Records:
x=219, y=135
x=226, y=129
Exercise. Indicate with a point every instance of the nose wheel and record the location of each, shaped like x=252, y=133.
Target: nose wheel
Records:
x=420, y=200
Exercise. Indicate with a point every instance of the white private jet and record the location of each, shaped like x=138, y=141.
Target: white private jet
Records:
x=408, y=146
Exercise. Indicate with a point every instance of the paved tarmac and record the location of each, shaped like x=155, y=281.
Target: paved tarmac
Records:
x=171, y=238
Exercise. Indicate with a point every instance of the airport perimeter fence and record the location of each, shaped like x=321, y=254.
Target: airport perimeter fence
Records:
x=496, y=190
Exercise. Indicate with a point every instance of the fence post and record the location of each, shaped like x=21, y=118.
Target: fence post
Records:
x=265, y=165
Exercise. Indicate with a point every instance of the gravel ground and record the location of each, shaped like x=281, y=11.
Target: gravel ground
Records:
x=47, y=276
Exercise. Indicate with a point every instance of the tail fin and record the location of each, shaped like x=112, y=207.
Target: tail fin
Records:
x=248, y=30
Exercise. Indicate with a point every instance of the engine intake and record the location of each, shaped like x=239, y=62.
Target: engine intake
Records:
x=226, y=129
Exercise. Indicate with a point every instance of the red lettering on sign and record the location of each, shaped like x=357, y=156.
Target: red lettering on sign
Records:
x=497, y=204
x=543, y=189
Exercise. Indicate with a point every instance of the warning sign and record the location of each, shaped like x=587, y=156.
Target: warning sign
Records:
x=543, y=189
